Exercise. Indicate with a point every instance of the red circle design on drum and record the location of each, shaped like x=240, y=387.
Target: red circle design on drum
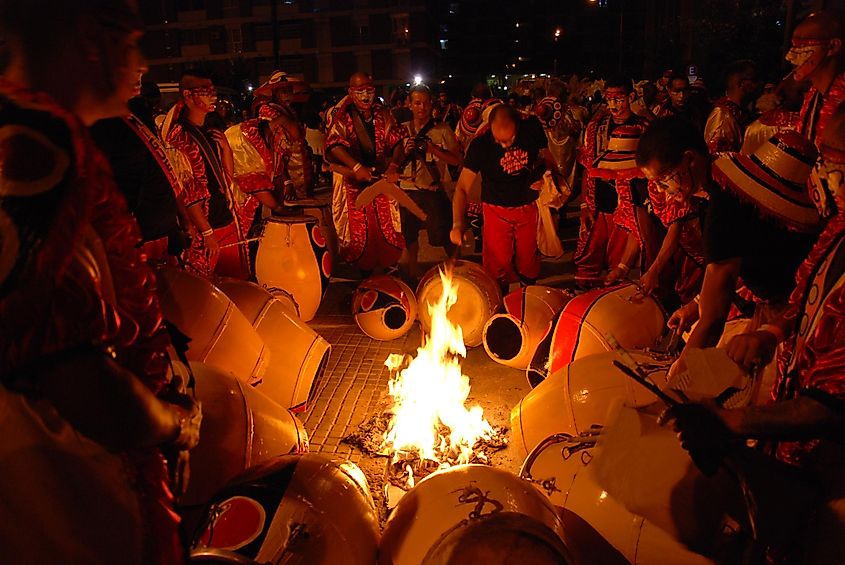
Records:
x=368, y=299
x=326, y=264
x=239, y=522
x=317, y=236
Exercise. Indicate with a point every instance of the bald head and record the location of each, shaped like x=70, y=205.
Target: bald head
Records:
x=819, y=25
x=359, y=80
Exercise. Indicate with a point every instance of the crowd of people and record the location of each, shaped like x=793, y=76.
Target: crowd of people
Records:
x=721, y=209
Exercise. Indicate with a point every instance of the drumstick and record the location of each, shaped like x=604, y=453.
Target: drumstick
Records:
x=242, y=242
x=668, y=400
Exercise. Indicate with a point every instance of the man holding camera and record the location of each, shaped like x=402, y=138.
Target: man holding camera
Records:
x=429, y=151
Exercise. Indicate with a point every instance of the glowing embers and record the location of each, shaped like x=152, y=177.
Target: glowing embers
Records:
x=430, y=426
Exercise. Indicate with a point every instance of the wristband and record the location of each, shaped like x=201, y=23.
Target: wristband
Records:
x=356, y=167
x=584, y=206
x=624, y=268
x=288, y=182
x=208, y=232
x=697, y=299
x=774, y=330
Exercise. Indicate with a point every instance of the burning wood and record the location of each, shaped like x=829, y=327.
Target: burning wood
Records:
x=429, y=425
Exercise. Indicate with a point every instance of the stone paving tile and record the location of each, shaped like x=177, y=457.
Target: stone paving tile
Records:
x=355, y=380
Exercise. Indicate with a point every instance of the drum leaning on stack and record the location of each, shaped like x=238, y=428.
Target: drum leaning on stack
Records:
x=471, y=514
x=293, y=258
x=220, y=334
x=295, y=509
x=479, y=298
x=600, y=529
x=577, y=397
x=299, y=356
x=241, y=427
x=581, y=328
x=512, y=338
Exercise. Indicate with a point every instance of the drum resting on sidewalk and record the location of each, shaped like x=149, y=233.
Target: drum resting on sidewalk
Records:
x=293, y=259
x=293, y=509
x=582, y=327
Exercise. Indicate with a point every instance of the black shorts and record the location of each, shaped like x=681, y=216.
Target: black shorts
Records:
x=438, y=208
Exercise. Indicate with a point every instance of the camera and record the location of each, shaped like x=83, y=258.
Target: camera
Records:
x=419, y=143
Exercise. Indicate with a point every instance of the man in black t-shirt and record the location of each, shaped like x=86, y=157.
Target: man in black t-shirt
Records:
x=511, y=157
x=751, y=229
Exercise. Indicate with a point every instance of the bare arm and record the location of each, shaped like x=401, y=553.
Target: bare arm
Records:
x=649, y=280
x=459, y=204
x=797, y=419
x=715, y=302
x=453, y=158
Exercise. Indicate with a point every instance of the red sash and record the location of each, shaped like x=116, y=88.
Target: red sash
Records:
x=155, y=147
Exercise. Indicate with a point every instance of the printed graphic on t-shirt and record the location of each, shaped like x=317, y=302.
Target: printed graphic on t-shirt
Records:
x=514, y=160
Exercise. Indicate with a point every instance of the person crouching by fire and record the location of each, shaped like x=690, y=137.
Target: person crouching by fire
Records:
x=511, y=157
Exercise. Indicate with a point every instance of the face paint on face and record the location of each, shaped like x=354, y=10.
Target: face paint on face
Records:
x=618, y=104
x=204, y=97
x=675, y=182
x=806, y=55
x=363, y=96
x=678, y=92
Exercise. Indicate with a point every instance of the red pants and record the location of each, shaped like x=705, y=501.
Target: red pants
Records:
x=508, y=232
x=599, y=247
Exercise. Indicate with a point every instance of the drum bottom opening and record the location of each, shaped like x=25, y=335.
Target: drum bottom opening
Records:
x=395, y=317
x=504, y=338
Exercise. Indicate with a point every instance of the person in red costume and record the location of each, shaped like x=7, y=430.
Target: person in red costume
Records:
x=273, y=102
x=87, y=400
x=818, y=56
x=208, y=192
x=364, y=141
x=613, y=216
x=726, y=123
x=807, y=415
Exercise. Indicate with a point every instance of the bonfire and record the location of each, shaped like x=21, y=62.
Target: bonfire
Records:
x=430, y=426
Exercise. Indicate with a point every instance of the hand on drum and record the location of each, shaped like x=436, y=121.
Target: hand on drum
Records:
x=683, y=318
x=648, y=282
x=614, y=276
x=702, y=432
x=752, y=350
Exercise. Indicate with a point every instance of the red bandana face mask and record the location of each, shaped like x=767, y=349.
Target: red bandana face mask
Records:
x=204, y=97
x=806, y=55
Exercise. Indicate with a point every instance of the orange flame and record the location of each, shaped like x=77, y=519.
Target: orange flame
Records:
x=430, y=394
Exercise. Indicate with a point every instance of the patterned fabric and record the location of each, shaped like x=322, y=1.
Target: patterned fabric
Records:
x=59, y=205
x=815, y=113
x=724, y=127
x=815, y=358
x=368, y=237
x=255, y=168
x=767, y=125
x=293, y=148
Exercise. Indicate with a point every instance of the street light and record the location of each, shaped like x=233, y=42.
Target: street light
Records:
x=558, y=33
x=417, y=80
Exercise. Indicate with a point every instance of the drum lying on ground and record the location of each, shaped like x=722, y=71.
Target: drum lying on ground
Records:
x=384, y=307
x=599, y=529
x=512, y=338
x=293, y=257
x=295, y=509
x=479, y=297
x=578, y=397
x=241, y=427
x=635, y=321
x=465, y=513
x=220, y=334
x=299, y=355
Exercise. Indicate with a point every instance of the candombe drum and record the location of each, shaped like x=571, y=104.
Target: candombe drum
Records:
x=479, y=297
x=384, y=307
x=240, y=428
x=293, y=257
x=220, y=334
x=635, y=321
x=473, y=514
x=295, y=509
x=299, y=355
x=600, y=529
x=512, y=338
x=578, y=396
